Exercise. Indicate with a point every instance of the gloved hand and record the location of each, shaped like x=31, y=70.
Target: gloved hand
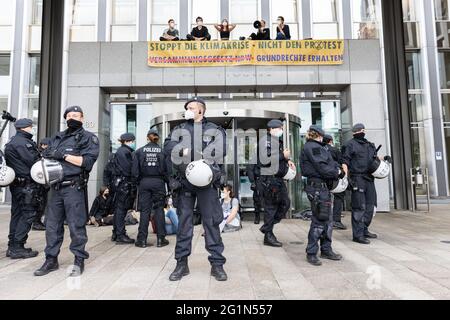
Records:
x=388, y=159
x=56, y=155
x=253, y=187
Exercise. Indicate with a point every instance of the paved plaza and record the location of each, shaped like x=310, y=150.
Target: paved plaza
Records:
x=408, y=261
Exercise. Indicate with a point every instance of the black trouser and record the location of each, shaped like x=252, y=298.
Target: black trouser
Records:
x=42, y=205
x=274, y=200
x=321, y=229
x=23, y=211
x=66, y=203
x=257, y=200
x=210, y=209
x=123, y=202
x=152, y=193
x=364, y=201
x=338, y=205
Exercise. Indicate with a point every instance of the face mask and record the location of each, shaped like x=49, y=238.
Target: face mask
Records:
x=74, y=124
x=359, y=135
x=189, y=115
x=130, y=144
x=222, y=195
x=277, y=133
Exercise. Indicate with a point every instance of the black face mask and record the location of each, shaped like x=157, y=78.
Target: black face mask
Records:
x=74, y=124
x=359, y=136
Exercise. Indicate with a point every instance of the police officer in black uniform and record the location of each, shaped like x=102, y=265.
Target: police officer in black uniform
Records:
x=77, y=150
x=21, y=153
x=359, y=154
x=319, y=168
x=338, y=197
x=42, y=194
x=195, y=139
x=254, y=177
x=124, y=187
x=149, y=171
x=272, y=188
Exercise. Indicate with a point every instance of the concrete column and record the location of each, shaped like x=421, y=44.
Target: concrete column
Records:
x=185, y=14
x=143, y=20
x=347, y=19
x=306, y=19
x=265, y=12
x=101, y=20
x=225, y=9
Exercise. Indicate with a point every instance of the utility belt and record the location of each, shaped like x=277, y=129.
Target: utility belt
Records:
x=153, y=177
x=78, y=182
x=22, y=182
x=317, y=183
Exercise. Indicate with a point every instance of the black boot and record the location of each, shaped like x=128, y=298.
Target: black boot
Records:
x=218, y=273
x=361, y=240
x=50, y=264
x=162, y=242
x=8, y=251
x=141, y=244
x=180, y=271
x=271, y=241
x=257, y=217
x=312, y=259
x=370, y=235
x=19, y=252
x=331, y=256
x=113, y=236
x=38, y=226
x=125, y=239
x=339, y=225
x=78, y=267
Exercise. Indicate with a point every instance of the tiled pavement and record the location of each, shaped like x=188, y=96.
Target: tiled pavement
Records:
x=408, y=261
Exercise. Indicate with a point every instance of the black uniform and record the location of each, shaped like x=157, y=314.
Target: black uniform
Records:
x=272, y=187
x=319, y=168
x=254, y=176
x=20, y=154
x=338, y=197
x=150, y=174
x=186, y=194
x=358, y=154
x=68, y=199
x=124, y=187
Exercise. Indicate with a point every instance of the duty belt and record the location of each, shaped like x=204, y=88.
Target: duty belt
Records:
x=317, y=183
x=67, y=183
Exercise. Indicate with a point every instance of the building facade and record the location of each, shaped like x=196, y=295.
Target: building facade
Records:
x=115, y=30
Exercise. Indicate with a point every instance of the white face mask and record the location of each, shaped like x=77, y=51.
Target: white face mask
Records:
x=222, y=195
x=277, y=133
x=189, y=115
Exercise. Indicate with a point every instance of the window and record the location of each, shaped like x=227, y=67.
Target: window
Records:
x=414, y=70
x=410, y=24
x=7, y=12
x=4, y=65
x=209, y=10
x=442, y=23
x=444, y=69
x=325, y=19
x=35, y=72
x=441, y=8
x=288, y=10
x=37, y=12
x=161, y=12
x=84, y=12
x=243, y=13
x=124, y=17
x=365, y=19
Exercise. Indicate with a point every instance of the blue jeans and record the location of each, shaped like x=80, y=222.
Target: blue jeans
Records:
x=173, y=227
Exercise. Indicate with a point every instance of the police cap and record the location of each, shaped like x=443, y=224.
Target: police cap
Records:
x=327, y=138
x=153, y=131
x=72, y=109
x=358, y=127
x=45, y=141
x=275, y=123
x=127, y=137
x=23, y=123
x=194, y=99
x=317, y=129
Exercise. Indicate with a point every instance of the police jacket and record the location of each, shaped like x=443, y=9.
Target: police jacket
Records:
x=267, y=147
x=21, y=153
x=212, y=146
x=358, y=154
x=253, y=172
x=76, y=143
x=123, y=160
x=335, y=153
x=316, y=162
x=149, y=161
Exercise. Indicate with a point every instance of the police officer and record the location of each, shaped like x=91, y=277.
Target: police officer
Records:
x=338, y=197
x=20, y=154
x=358, y=154
x=42, y=194
x=195, y=139
x=273, y=164
x=254, y=176
x=319, y=168
x=124, y=187
x=77, y=150
x=150, y=175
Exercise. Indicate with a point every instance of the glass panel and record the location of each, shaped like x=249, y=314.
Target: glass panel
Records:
x=35, y=71
x=366, y=30
x=123, y=33
x=243, y=30
x=443, y=34
x=411, y=35
x=163, y=10
x=37, y=12
x=4, y=65
x=243, y=11
x=124, y=12
x=32, y=113
x=444, y=69
x=416, y=106
x=209, y=10
x=446, y=107
x=409, y=10
x=7, y=12
x=84, y=12
x=324, y=10
x=364, y=10
x=285, y=8
x=325, y=31
x=83, y=34
x=414, y=70
x=441, y=8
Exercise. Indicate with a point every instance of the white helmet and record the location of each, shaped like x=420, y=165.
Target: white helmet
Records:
x=382, y=171
x=291, y=174
x=47, y=172
x=340, y=185
x=7, y=175
x=199, y=173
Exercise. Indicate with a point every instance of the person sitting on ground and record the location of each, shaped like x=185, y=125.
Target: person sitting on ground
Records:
x=283, y=32
x=200, y=32
x=225, y=28
x=230, y=207
x=171, y=218
x=170, y=34
x=263, y=33
x=101, y=208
